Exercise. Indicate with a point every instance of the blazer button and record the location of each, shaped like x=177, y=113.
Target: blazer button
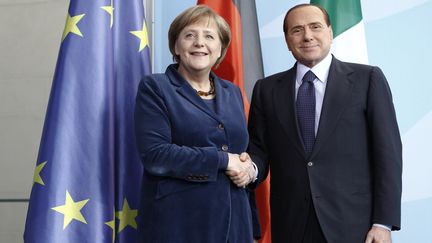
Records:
x=310, y=164
x=224, y=147
x=221, y=126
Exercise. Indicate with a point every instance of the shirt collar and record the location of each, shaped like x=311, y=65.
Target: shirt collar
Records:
x=320, y=70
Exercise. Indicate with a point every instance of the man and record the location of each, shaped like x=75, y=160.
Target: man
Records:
x=332, y=142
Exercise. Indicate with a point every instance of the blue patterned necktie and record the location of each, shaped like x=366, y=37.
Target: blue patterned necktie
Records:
x=306, y=111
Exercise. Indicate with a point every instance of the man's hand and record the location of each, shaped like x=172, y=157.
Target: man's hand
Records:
x=244, y=157
x=378, y=235
x=240, y=169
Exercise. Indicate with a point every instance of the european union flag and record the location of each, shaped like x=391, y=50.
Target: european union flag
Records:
x=88, y=173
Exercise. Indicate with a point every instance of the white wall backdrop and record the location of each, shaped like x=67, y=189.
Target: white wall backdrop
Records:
x=399, y=37
x=30, y=34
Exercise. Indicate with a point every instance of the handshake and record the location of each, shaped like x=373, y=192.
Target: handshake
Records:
x=241, y=170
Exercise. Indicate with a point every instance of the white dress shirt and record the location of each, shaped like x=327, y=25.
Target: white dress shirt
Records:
x=321, y=71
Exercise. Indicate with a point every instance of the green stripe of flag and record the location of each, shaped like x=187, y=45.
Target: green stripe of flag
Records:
x=343, y=13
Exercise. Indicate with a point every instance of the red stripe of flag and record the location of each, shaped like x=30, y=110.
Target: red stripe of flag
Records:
x=231, y=68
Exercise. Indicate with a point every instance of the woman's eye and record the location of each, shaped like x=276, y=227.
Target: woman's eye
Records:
x=210, y=37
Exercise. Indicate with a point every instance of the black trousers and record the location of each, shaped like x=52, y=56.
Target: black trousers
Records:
x=313, y=232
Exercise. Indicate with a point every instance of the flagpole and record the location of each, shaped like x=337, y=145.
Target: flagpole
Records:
x=152, y=32
x=150, y=10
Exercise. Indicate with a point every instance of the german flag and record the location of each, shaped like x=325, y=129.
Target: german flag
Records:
x=243, y=66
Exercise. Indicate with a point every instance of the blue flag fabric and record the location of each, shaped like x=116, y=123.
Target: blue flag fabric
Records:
x=88, y=172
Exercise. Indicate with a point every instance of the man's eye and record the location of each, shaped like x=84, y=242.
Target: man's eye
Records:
x=211, y=37
x=295, y=31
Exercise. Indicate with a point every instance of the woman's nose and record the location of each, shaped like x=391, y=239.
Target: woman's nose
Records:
x=199, y=41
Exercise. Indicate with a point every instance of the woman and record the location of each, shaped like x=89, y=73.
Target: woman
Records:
x=190, y=129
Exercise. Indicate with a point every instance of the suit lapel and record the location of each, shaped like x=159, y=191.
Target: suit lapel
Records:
x=223, y=98
x=284, y=103
x=337, y=94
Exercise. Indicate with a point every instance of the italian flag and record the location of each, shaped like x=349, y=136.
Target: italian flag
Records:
x=349, y=42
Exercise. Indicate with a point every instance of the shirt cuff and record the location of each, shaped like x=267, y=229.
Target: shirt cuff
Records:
x=387, y=227
x=256, y=171
x=223, y=160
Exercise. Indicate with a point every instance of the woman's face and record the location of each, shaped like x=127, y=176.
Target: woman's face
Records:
x=198, y=46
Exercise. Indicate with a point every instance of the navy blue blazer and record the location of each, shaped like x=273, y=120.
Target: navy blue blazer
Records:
x=186, y=197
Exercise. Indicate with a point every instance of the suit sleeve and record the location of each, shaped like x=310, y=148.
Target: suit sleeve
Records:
x=257, y=132
x=159, y=155
x=386, y=151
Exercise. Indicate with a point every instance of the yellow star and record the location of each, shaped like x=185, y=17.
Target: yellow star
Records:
x=111, y=224
x=71, y=210
x=71, y=25
x=36, y=177
x=110, y=10
x=127, y=216
x=142, y=35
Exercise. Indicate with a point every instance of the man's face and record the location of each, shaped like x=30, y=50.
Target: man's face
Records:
x=308, y=37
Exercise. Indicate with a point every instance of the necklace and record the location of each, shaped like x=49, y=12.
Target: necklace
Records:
x=212, y=90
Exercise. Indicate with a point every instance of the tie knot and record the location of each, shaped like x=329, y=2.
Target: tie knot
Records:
x=309, y=76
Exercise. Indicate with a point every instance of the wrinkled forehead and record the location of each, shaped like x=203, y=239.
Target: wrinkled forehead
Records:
x=305, y=15
x=204, y=24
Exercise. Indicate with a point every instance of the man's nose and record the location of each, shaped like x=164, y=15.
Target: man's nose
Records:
x=307, y=34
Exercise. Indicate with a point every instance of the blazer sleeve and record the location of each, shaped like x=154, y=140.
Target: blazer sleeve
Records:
x=159, y=155
x=386, y=151
x=257, y=132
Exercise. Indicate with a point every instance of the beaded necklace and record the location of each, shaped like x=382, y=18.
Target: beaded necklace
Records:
x=212, y=90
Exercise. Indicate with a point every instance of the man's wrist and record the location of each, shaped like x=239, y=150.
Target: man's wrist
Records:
x=387, y=227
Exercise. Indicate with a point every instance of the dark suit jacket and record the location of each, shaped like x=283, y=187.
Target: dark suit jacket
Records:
x=353, y=175
x=186, y=196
